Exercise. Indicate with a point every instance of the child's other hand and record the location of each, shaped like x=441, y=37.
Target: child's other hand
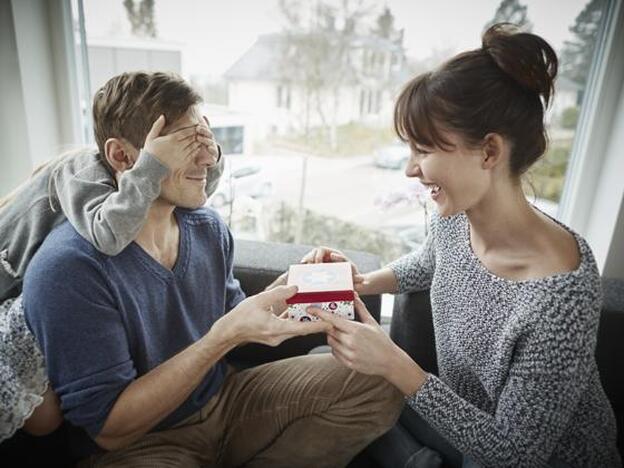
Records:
x=206, y=137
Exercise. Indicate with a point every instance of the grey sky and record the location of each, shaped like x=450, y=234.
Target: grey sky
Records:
x=214, y=33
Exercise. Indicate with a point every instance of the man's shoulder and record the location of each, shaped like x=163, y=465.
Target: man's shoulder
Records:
x=63, y=247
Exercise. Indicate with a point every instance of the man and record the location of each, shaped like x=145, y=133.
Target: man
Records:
x=135, y=343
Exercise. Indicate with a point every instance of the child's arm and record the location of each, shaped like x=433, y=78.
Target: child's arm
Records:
x=111, y=218
x=108, y=217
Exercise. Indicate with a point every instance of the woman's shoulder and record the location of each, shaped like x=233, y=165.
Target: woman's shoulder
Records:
x=562, y=249
x=570, y=294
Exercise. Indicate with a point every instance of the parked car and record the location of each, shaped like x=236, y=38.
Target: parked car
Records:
x=393, y=156
x=240, y=179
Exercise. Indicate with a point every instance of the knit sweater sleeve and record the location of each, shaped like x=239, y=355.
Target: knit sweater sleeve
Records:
x=549, y=370
x=414, y=271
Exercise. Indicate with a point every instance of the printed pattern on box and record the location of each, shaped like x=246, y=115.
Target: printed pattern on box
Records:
x=341, y=308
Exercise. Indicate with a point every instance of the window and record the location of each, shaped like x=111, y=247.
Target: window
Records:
x=283, y=96
x=325, y=142
x=231, y=139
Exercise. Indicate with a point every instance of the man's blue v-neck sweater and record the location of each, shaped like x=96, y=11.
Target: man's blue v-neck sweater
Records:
x=103, y=321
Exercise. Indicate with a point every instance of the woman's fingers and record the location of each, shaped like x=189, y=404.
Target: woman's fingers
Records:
x=340, y=353
x=338, y=322
x=338, y=257
x=309, y=257
x=362, y=311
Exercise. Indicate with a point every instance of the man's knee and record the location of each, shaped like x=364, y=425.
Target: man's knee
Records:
x=374, y=402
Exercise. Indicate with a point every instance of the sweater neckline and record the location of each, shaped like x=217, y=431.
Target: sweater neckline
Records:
x=180, y=266
x=578, y=271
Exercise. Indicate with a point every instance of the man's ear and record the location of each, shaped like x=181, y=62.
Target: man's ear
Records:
x=493, y=150
x=120, y=154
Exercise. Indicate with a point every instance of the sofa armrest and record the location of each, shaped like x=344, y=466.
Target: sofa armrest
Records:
x=610, y=351
x=412, y=328
x=257, y=264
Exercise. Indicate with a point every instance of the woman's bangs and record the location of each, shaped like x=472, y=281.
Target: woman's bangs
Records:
x=414, y=117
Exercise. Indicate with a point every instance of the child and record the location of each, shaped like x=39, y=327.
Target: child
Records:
x=79, y=187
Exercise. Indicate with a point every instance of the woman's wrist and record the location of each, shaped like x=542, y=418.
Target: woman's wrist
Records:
x=404, y=373
x=380, y=281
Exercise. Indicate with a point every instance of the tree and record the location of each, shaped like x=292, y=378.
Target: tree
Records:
x=512, y=11
x=385, y=24
x=577, y=53
x=141, y=19
x=317, y=49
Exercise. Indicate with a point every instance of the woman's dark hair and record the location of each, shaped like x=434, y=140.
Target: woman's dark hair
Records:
x=503, y=87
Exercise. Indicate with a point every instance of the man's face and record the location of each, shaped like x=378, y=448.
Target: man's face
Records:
x=186, y=187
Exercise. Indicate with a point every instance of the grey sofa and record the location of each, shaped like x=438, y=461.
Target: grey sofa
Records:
x=258, y=264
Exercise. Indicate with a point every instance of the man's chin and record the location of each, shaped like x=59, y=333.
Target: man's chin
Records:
x=193, y=205
x=188, y=204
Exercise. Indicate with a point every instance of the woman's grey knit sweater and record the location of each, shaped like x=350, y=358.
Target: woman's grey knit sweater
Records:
x=518, y=381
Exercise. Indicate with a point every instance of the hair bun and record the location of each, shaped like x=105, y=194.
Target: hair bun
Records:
x=526, y=58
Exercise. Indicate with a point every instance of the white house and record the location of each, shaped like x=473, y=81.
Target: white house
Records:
x=278, y=103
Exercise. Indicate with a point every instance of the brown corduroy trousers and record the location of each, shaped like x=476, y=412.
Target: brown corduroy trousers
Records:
x=307, y=411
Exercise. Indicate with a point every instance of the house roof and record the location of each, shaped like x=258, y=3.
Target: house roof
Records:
x=261, y=60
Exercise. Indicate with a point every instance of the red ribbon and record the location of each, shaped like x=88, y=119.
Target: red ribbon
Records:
x=323, y=296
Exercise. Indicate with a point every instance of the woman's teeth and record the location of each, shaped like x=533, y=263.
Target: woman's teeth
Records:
x=434, y=189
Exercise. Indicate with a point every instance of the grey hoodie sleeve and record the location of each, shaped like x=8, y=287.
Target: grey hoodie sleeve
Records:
x=214, y=174
x=107, y=217
x=111, y=218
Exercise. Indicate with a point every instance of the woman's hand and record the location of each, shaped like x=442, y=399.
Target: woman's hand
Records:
x=328, y=255
x=366, y=348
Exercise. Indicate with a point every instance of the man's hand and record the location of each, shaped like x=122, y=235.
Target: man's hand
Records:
x=279, y=308
x=176, y=149
x=254, y=320
x=328, y=255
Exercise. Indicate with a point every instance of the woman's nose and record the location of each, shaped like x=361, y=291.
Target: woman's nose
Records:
x=412, y=169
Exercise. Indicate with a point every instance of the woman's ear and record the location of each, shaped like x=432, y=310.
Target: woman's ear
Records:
x=120, y=154
x=493, y=149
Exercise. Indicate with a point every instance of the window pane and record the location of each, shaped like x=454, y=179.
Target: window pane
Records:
x=305, y=97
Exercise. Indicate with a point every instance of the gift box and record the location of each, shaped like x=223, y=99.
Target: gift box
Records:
x=328, y=286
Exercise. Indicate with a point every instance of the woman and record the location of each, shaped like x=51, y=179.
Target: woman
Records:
x=515, y=294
